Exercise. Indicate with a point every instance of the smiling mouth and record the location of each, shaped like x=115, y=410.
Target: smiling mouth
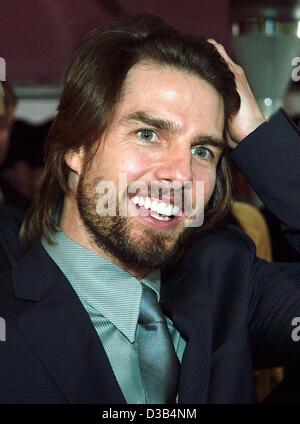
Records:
x=157, y=209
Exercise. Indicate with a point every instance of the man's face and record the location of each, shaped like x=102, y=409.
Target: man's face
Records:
x=168, y=126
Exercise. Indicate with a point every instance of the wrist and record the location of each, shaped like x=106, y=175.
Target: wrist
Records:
x=252, y=126
x=246, y=129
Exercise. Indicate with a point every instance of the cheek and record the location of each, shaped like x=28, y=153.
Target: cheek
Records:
x=132, y=163
x=209, y=187
x=121, y=166
x=208, y=177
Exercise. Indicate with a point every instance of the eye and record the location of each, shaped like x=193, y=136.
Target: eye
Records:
x=202, y=152
x=147, y=135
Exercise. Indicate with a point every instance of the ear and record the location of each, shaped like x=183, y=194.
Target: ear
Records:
x=74, y=159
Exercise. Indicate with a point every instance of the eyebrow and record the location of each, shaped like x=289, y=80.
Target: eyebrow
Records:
x=169, y=126
x=160, y=124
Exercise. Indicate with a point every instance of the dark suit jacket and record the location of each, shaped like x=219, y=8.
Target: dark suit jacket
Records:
x=233, y=309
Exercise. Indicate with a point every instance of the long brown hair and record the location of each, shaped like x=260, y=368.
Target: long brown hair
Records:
x=91, y=89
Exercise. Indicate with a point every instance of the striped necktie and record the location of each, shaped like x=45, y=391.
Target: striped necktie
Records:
x=158, y=361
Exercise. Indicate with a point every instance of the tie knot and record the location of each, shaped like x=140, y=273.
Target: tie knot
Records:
x=150, y=311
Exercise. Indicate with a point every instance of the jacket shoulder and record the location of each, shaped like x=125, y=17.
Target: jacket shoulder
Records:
x=223, y=241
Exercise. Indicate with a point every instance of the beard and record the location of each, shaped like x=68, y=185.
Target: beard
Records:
x=125, y=239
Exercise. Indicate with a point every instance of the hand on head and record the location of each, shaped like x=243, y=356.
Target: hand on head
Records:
x=249, y=116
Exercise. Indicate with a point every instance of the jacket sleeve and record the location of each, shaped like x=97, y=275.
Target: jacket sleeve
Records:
x=274, y=314
x=270, y=159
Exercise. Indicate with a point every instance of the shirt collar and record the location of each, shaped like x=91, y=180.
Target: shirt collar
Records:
x=104, y=286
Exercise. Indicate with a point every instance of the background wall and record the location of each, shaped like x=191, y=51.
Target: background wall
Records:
x=37, y=36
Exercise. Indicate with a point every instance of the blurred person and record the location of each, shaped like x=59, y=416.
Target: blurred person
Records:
x=134, y=309
x=24, y=163
x=7, y=113
x=10, y=219
x=21, y=152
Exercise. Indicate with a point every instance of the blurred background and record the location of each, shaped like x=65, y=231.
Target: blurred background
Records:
x=37, y=37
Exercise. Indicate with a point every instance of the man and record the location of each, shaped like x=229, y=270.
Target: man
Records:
x=81, y=307
x=10, y=219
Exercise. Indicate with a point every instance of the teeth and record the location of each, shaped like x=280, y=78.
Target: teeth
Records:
x=135, y=200
x=161, y=208
x=147, y=203
x=159, y=218
x=169, y=210
x=156, y=207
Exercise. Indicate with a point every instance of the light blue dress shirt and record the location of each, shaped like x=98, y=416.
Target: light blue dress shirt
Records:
x=111, y=296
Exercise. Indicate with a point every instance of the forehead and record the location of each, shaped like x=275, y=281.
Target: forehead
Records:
x=168, y=93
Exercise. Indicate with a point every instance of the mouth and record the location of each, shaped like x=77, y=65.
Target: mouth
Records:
x=157, y=212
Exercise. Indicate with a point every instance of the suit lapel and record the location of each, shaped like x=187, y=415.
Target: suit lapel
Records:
x=61, y=333
x=185, y=299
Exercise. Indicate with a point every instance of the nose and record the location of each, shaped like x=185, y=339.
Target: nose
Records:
x=175, y=165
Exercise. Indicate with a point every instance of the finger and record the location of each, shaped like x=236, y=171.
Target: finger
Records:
x=222, y=51
x=231, y=143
